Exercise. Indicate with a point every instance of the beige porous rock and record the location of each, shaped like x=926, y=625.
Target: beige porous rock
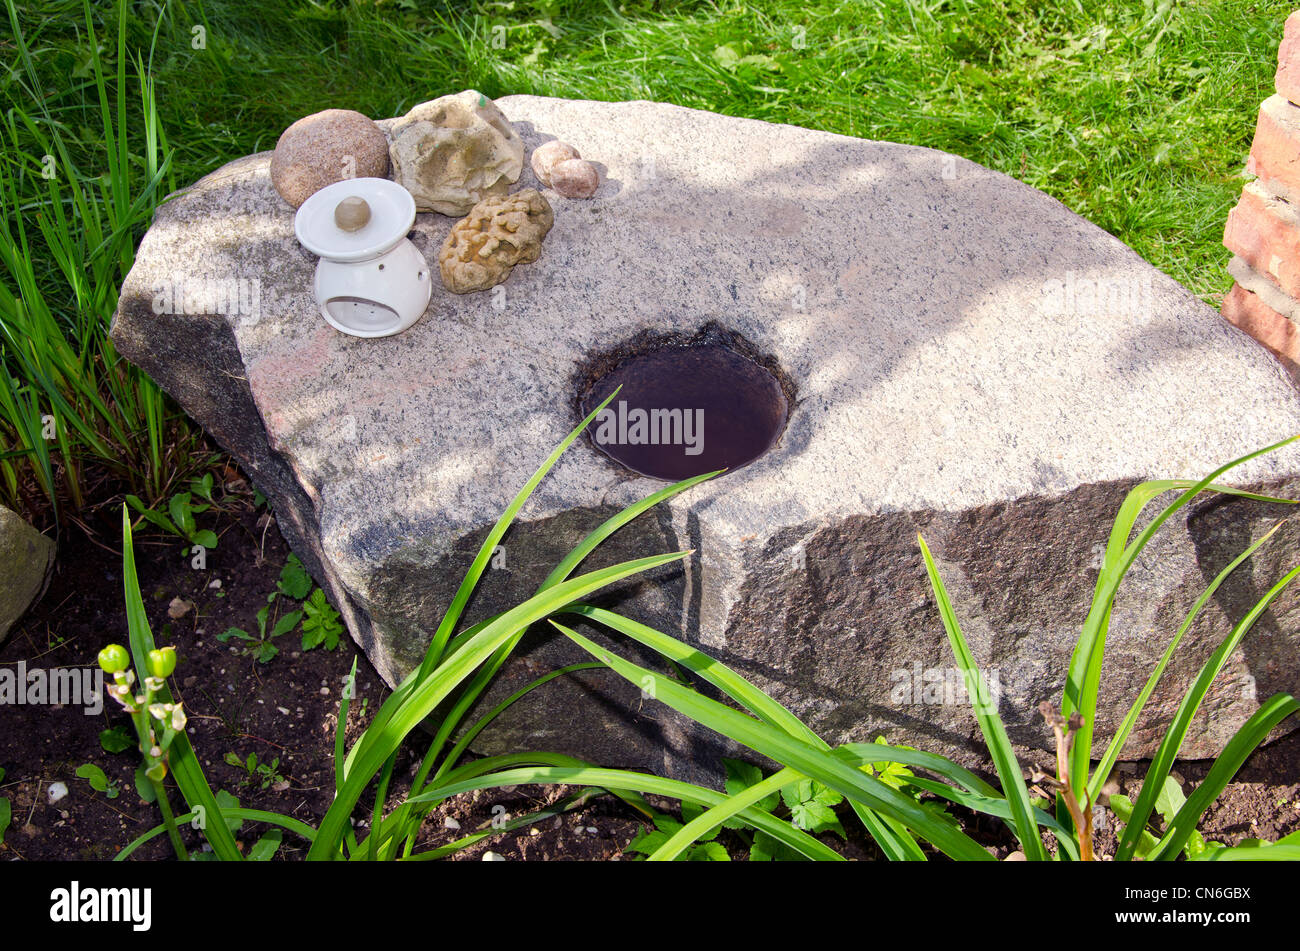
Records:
x=451, y=153
x=498, y=233
x=575, y=178
x=549, y=154
x=324, y=148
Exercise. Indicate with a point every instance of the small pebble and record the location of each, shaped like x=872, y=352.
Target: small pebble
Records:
x=450, y=823
x=493, y=857
x=215, y=583
x=549, y=154
x=575, y=178
x=57, y=791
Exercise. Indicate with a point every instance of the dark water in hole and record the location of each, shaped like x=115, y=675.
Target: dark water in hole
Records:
x=688, y=410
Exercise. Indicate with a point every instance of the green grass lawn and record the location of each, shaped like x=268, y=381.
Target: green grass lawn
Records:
x=1136, y=115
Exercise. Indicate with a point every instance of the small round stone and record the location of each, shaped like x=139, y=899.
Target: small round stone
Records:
x=352, y=213
x=549, y=154
x=324, y=148
x=575, y=178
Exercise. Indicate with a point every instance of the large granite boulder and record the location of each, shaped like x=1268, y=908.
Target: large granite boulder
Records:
x=26, y=560
x=965, y=357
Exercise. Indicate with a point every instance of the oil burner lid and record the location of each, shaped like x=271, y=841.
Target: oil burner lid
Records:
x=355, y=231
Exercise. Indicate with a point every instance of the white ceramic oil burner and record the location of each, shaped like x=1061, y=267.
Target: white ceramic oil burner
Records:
x=371, y=281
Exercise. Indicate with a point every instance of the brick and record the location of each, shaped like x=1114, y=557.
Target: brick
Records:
x=1275, y=153
x=1265, y=232
x=1287, y=81
x=1247, y=312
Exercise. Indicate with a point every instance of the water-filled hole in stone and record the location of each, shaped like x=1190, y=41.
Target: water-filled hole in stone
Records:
x=686, y=410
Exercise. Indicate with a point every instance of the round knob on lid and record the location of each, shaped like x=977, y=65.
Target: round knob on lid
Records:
x=352, y=214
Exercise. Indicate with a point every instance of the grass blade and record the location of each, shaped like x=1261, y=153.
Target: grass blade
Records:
x=721, y=676
x=297, y=827
x=476, y=569
x=995, y=734
x=185, y=767
x=1102, y=772
x=895, y=842
x=1253, y=732
x=1172, y=742
x=776, y=744
x=642, y=783
x=715, y=816
x=340, y=727
x=404, y=712
x=1272, y=853
x=1084, y=677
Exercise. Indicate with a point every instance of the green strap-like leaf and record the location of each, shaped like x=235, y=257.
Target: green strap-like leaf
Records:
x=986, y=714
x=185, y=766
x=1084, y=676
x=1102, y=772
x=809, y=760
x=643, y=783
x=1253, y=732
x=1172, y=741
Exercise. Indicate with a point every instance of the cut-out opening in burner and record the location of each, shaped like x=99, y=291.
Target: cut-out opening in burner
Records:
x=684, y=410
x=361, y=317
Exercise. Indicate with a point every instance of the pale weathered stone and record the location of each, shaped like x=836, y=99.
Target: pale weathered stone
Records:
x=575, y=178
x=26, y=559
x=451, y=153
x=549, y=154
x=324, y=148
x=483, y=247
x=969, y=359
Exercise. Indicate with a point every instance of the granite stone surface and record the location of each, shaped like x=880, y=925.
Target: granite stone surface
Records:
x=966, y=358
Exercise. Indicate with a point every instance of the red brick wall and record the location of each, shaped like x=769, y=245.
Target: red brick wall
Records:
x=1263, y=231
